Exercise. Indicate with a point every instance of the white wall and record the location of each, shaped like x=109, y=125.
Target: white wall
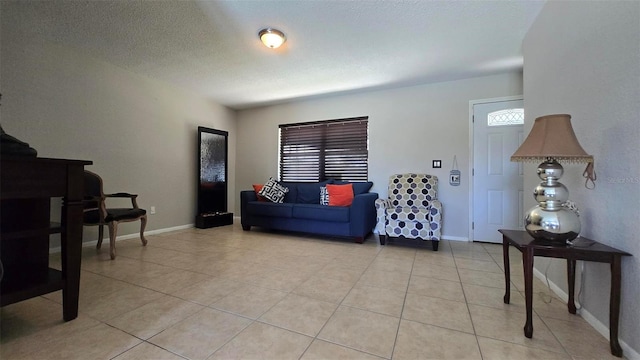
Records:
x=408, y=127
x=583, y=58
x=141, y=134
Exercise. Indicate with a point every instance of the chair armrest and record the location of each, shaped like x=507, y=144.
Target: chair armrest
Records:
x=435, y=217
x=98, y=200
x=133, y=197
x=100, y=206
x=381, y=214
x=121, y=195
x=383, y=203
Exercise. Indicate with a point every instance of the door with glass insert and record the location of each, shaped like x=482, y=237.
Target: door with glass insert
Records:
x=497, y=182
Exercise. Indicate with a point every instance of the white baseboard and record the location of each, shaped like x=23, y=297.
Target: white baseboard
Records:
x=158, y=231
x=455, y=238
x=57, y=249
x=444, y=237
x=603, y=329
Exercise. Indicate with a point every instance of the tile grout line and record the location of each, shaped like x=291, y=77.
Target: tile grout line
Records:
x=510, y=342
x=466, y=301
x=337, y=307
x=406, y=292
x=301, y=252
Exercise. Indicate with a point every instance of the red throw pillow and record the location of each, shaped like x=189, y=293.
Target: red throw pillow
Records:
x=340, y=195
x=257, y=188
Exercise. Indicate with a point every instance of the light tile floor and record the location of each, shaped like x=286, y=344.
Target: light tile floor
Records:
x=224, y=293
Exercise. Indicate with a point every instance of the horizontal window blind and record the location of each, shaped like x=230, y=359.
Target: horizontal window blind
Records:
x=332, y=149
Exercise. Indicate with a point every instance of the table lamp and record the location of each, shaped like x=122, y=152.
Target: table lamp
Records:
x=552, y=140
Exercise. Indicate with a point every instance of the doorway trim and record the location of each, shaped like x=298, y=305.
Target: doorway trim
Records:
x=471, y=144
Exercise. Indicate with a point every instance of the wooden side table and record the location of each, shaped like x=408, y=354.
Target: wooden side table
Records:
x=581, y=249
x=26, y=186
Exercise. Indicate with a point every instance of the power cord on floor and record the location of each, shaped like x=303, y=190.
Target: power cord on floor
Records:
x=546, y=277
x=582, y=276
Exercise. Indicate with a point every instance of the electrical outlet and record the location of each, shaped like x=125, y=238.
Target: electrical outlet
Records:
x=152, y=210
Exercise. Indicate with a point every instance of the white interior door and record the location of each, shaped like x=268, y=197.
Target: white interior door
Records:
x=497, y=182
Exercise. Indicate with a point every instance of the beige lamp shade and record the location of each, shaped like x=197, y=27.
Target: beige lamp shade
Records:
x=552, y=136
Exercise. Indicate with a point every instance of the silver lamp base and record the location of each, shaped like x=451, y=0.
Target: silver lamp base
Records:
x=550, y=220
x=560, y=225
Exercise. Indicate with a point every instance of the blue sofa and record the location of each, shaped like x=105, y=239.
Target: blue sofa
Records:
x=301, y=211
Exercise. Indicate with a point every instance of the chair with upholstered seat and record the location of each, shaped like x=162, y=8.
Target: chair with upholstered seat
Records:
x=97, y=213
x=411, y=210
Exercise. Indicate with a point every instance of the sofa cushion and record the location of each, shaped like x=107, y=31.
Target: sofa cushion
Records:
x=257, y=208
x=273, y=191
x=412, y=189
x=292, y=195
x=359, y=187
x=321, y=212
x=309, y=193
x=409, y=213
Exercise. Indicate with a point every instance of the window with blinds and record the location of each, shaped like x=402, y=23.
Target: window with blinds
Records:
x=332, y=149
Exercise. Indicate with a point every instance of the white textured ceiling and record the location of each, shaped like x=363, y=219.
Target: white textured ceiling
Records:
x=212, y=47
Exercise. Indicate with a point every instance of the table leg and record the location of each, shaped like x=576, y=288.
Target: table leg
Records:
x=527, y=262
x=571, y=278
x=614, y=306
x=71, y=241
x=507, y=270
x=71, y=246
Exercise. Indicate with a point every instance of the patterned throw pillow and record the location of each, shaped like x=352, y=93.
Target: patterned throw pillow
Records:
x=273, y=191
x=324, y=196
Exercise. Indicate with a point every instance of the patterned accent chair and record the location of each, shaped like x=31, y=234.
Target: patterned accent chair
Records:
x=412, y=209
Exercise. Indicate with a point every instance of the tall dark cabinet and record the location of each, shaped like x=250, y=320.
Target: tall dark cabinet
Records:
x=212, y=178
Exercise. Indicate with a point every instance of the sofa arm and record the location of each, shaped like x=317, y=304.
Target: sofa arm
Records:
x=363, y=214
x=435, y=218
x=381, y=215
x=245, y=197
x=248, y=195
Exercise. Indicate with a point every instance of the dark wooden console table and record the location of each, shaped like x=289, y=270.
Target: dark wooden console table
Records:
x=27, y=185
x=582, y=249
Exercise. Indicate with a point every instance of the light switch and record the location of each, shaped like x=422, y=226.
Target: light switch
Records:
x=436, y=164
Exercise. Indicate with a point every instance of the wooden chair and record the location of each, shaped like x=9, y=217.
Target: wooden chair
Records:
x=96, y=212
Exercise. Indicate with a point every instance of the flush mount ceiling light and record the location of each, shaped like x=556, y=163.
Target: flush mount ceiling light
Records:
x=272, y=38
